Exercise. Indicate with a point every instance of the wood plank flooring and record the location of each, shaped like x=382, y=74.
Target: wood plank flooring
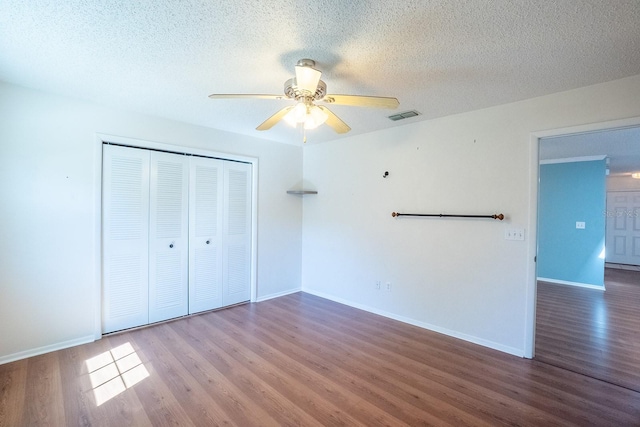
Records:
x=300, y=360
x=592, y=332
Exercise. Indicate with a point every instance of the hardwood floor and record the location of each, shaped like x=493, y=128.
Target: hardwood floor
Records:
x=299, y=360
x=592, y=332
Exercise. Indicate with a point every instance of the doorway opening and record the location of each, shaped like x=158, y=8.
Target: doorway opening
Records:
x=585, y=330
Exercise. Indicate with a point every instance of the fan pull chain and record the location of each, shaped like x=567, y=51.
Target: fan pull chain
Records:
x=304, y=135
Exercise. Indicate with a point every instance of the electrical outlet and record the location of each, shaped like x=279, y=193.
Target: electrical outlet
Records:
x=580, y=225
x=377, y=285
x=388, y=286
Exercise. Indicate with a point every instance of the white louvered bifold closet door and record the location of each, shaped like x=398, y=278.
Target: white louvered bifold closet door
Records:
x=125, y=238
x=237, y=233
x=176, y=235
x=168, y=236
x=205, y=234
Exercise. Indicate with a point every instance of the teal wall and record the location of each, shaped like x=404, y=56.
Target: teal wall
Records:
x=571, y=192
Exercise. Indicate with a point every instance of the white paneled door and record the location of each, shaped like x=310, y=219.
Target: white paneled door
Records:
x=205, y=234
x=125, y=237
x=168, y=236
x=176, y=235
x=623, y=227
x=237, y=233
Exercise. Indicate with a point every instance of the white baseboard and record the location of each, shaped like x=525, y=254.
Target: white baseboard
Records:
x=45, y=349
x=475, y=340
x=278, y=294
x=622, y=266
x=578, y=284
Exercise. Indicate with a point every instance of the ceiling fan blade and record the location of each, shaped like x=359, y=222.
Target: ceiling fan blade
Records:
x=334, y=121
x=362, y=101
x=241, y=95
x=271, y=121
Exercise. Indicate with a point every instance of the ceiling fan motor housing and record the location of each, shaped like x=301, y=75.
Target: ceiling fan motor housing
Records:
x=306, y=62
x=292, y=91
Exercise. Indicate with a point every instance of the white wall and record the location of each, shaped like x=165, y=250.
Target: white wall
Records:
x=460, y=277
x=49, y=192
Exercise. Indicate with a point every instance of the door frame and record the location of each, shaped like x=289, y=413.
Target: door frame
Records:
x=100, y=139
x=532, y=247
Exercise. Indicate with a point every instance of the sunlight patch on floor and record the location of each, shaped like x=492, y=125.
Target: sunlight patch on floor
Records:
x=114, y=371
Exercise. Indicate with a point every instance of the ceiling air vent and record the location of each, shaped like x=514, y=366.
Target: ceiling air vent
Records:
x=404, y=115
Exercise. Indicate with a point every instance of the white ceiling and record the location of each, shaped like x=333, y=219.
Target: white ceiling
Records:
x=163, y=57
x=621, y=146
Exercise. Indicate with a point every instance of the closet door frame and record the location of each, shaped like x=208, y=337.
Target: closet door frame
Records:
x=101, y=139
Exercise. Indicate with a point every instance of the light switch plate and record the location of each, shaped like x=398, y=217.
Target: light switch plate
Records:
x=514, y=234
x=580, y=225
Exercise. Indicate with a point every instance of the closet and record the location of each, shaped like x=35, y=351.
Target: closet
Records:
x=176, y=235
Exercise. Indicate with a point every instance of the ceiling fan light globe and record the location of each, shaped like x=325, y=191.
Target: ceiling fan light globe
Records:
x=315, y=118
x=300, y=112
x=307, y=78
x=297, y=114
x=310, y=124
x=290, y=120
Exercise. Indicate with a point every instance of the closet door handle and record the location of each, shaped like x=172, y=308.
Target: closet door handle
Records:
x=171, y=245
x=208, y=241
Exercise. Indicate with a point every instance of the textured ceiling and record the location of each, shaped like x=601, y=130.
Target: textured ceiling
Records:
x=163, y=57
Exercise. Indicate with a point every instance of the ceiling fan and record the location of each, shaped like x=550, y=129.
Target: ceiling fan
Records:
x=307, y=89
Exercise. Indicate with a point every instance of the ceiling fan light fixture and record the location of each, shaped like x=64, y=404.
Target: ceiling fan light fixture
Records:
x=307, y=78
x=306, y=89
x=311, y=116
x=315, y=118
x=296, y=115
x=635, y=175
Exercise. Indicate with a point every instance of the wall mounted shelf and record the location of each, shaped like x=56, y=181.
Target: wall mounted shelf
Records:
x=302, y=192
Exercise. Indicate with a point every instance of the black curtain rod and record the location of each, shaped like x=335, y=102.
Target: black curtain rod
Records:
x=496, y=216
